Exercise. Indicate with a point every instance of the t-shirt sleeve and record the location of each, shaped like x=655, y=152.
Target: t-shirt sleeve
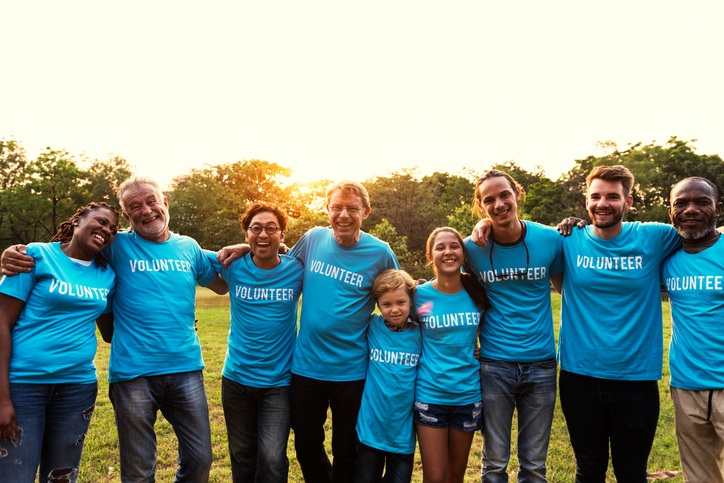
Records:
x=21, y=285
x=204, y=271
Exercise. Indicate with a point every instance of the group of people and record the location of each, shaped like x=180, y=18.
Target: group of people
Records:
x=409, y=370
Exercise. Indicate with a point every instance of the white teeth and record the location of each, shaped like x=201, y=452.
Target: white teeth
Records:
x=98, y=237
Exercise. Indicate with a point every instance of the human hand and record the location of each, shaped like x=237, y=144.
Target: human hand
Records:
x=8, y=428
x=481, y=232
x=228, y=254
x=565, y=227
x=15, y=260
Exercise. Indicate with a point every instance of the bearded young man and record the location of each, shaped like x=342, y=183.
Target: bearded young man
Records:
x=611, y=338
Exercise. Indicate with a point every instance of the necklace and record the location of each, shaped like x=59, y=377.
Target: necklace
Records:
x=512, y=273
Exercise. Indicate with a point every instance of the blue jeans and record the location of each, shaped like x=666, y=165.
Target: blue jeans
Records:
x=181, y=398
x=372, y=462
x=600, y=412
x=310, y=399
x=54, y=419
x=529, y=388
x=257, y=422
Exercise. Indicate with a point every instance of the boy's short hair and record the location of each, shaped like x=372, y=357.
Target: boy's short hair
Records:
x=391, y=280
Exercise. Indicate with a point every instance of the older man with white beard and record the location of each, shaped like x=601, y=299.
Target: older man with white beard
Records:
x=155, y=361
x=694, y=278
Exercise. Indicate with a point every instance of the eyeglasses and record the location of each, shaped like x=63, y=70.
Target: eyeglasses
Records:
x=512, y=273
x=269, y=229
x=352, y=210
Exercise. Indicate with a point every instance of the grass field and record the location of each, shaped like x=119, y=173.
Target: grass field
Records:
x=100, y=457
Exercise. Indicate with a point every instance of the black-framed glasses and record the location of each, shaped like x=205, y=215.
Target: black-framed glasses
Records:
x=510, y=273
x=352, y=210
x=269, y=229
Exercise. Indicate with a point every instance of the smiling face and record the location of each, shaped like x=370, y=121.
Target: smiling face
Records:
x=346, y=214
x=445, y=251
x=606, y=203
x=92, y=232
x=395, y=306
x=693, y=209
x=146, y=209
x=499, y=200
x=264, y=246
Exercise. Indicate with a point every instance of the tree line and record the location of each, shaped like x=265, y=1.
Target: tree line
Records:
x=206, y=203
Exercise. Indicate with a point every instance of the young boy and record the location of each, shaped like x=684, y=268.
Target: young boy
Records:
x=384, y=425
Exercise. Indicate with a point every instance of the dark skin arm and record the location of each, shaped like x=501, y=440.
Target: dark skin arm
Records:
x=565, y=227
x=105, y=326
x=10, y=309
x=14, y=260
x=219, y=285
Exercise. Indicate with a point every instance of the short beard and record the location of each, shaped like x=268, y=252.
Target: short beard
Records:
x=609, y=224
x=695, y=235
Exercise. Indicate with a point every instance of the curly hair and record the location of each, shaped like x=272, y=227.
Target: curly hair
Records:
x=66, y=228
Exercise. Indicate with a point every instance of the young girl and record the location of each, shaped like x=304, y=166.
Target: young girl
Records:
x=48, y=380
x=448, y=403
x=384, y=425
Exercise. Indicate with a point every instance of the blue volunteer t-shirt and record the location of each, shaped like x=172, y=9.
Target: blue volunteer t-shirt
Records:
x=695, y=283
x=54, y=338
x=385, y=415
x=337, y=302
x=611, y=325
x=448, y=371
x=518, y=326
x=263, y=320
x=154, y=306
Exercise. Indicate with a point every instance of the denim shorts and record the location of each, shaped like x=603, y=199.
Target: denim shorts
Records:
x=466, y=418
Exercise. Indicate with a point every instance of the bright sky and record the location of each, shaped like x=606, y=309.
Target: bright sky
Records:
x=341, y=89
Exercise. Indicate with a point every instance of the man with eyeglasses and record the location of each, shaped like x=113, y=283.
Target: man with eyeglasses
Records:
x=694, y=279
x=264, y=290
x=329, y=365
x=517, y=344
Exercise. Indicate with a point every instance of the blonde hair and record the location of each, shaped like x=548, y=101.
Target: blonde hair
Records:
x=391, y=280
x=349, y=188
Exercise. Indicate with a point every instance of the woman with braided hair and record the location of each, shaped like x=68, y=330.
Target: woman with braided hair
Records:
x=48, y=380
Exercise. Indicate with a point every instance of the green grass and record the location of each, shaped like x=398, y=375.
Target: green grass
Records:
x=100, y=457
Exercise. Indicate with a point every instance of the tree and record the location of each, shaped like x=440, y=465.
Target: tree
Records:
x=416, y=206
x=49, y=194
x=13, y=167
x=306, y=220
x=398, y=243
x=104, y=178
x=209, y=202
x=656, y=168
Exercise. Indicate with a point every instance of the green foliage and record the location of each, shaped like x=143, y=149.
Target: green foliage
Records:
x=416, y=206
x=38, y=195
x=104, y=178
x=656, y=169
x=208, y=203
x=299, y=226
